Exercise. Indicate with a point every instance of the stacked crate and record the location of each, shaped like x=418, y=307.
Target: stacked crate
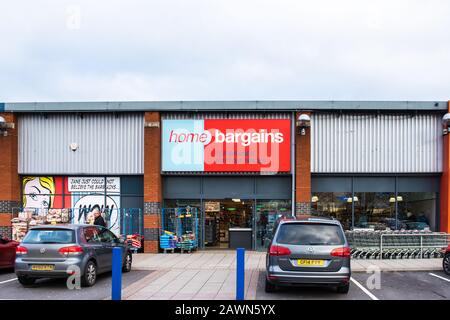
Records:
x=167, y=242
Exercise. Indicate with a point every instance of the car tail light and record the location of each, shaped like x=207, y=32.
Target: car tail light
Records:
x=21, y=250
x=343, y=252
x=70, y=250
x=279, y=251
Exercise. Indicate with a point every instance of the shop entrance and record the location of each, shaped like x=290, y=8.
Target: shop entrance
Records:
x=249, y=203
x=221, y=216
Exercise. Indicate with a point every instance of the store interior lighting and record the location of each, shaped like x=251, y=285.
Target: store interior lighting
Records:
x=399, y=199
x=236, y=200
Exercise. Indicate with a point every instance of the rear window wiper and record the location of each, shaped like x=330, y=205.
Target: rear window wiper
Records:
x=319, y=244
x=50, y=242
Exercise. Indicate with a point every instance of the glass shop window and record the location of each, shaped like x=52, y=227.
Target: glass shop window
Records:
x=333, y=204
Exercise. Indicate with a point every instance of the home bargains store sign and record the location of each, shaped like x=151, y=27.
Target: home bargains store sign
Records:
x=226, y=145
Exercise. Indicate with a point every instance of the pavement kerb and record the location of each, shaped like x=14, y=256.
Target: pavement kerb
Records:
x=354, y=269
x=398, y=269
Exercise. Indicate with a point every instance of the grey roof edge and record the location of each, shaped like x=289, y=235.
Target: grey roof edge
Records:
x=274, y=105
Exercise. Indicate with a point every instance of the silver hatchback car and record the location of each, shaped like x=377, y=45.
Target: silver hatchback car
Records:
x=308, y=251
x=54, y=251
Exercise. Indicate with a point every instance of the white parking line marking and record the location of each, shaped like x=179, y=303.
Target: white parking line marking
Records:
x=6, y=281
x=435, y=275
x=364, y=289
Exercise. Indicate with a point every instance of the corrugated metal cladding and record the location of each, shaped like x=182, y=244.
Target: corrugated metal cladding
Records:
x=225, y=115
x=383, y=143
x=107, y=143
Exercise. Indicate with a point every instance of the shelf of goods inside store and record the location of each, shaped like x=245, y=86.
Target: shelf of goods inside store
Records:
x=29, y=218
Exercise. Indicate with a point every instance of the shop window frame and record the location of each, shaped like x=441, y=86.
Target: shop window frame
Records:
x=321, y=181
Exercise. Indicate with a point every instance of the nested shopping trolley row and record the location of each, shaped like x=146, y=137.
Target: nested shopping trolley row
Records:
x=398, y=244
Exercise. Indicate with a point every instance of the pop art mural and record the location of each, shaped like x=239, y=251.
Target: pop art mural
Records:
x=46, y=196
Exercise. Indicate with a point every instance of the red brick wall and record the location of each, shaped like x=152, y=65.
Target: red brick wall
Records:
x=445, y=185
x=151, y=221
x=151, y=246
x=9, y=178
x=9, y=186
x=302, y=170
x=152, y=183
x=5, y=219
x=152, y=159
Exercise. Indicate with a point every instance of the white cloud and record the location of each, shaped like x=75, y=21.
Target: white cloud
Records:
x=224, y=49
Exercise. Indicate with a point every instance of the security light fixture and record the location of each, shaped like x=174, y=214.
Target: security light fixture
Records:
x=304, y=117
x=73, y=146
x=446, y=123
x=303, y=122
x=4, y=126
x=315, y=199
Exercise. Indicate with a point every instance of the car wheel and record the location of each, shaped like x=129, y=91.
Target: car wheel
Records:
x=127, y=263
x=344, y=288
x=90, y=274
x=446, y=264
x=270, y=287
x=26, y=281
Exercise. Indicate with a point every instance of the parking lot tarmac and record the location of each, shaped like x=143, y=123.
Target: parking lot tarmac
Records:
x=56, y=289
x=393, y=286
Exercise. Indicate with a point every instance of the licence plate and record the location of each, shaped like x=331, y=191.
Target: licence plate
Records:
x=310, y=263
x=42, y=267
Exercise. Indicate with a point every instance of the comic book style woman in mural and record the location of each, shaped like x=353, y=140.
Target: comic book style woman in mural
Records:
x=38, y=192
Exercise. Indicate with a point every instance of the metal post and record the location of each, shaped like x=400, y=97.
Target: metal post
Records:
x=396, y=204
x=116, y=292
x=421, y=247
x=381, y=246
x=353, y=205
x=123, y=214
x=240, y=273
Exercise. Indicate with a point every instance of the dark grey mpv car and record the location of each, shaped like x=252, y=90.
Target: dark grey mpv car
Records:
x=48, y=252
x=309, y=251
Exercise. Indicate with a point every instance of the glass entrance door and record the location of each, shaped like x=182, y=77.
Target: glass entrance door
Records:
x=266, y=214
x=222, y=214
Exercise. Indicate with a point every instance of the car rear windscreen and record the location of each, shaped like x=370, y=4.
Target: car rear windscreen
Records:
x=50, y=236
x=310, y=234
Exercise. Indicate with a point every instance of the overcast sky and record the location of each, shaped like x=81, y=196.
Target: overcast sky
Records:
x=224, y=50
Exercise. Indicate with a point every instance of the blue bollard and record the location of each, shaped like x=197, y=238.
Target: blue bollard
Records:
x=116, y=287
x=240, y=273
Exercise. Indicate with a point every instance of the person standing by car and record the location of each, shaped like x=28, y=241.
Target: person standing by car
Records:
x=99, y=221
